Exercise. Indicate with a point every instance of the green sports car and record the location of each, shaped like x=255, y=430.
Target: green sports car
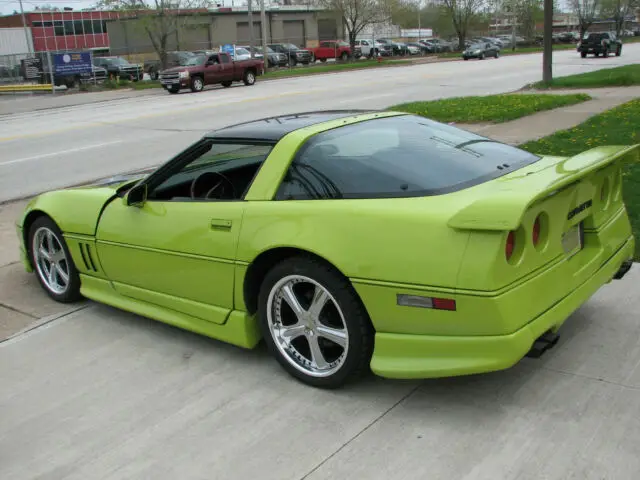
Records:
x=348, y=241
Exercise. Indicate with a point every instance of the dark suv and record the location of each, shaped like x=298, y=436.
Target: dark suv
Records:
x=294, y=54
x=600, y=43
x=119, y=67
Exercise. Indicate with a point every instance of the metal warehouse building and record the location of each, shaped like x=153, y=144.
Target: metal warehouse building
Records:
x=299, y=25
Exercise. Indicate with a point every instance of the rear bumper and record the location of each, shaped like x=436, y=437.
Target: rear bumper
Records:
x=430, y=356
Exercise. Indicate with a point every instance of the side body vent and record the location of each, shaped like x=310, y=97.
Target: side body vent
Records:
x=87, y=256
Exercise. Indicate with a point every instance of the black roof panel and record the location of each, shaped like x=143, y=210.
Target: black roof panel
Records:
x=274, y=128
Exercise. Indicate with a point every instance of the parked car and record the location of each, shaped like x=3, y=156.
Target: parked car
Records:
x=335, y=49
x=174, y=59
x=481, y=51
x=295, y=54
x=368, y=49
x=216, y=68
x=119, y=67
x=274, y=59
x=598, y=44
x=441, y=45
x=416, y=48
x=288, y=230
x=395, y=48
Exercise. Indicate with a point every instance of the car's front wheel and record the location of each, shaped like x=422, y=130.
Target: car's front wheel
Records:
x=314, y=323
x=52, y=261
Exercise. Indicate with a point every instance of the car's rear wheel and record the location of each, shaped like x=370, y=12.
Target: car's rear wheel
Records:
x=314, y=323
x=52, y=261
x=583, y=54
x=249, y=77
x=344, y=56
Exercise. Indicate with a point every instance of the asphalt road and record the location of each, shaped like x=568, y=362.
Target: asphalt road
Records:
x=64, y=146
x=95, y=393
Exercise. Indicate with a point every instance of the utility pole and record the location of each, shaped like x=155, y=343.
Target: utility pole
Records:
x=263, y=25
x=547, y=53
x=26, y=32
x=250, y=27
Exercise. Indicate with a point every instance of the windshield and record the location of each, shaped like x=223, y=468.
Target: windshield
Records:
x=596, y=37
x=193, y=61
x=290, y=46
x=242, y=51
x=477, y=46
x=400, y=156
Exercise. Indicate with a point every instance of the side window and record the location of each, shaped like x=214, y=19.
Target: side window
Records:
x=224, y=59
x=212, y=171
x=325, y=44
x=214, y=59
x=330, y=166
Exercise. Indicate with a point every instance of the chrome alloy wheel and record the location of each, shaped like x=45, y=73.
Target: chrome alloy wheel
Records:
x=307, y=326
x=51, y=260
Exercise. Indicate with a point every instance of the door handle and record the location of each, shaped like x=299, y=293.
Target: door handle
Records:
x=220, y=224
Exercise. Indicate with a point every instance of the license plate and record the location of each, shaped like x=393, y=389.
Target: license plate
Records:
x=572, y=240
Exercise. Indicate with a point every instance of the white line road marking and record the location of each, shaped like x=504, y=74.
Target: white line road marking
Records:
x=55, y=154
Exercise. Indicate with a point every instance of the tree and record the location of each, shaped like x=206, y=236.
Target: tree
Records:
x=161, y=19
x=462, y=12
x=527, y=13
x=586, y=11
x=619, y=10
x=358, y=14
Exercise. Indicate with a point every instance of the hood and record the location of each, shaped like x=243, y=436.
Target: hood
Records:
x=180, y=68
x=118, y=180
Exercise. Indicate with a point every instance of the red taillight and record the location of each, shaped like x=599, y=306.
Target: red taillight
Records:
x=536, y=231
x=444, y=304
x=511, y=245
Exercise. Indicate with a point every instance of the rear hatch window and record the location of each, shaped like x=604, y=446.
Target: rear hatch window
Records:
x=404, y=156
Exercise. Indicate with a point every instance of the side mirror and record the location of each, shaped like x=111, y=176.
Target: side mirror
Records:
x=137, y=195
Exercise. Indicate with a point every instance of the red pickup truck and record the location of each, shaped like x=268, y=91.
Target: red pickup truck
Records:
x=330, y=49
x=209, y=69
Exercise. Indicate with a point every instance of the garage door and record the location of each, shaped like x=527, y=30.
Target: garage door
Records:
x=327, y=29
x=242, y=33
x=294, y=32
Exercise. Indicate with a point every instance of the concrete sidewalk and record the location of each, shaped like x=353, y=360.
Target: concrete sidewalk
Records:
x=541, y=124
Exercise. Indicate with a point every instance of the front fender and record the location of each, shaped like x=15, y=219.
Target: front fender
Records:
x=74, y=210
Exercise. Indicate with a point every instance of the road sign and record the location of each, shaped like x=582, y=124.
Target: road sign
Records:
x=229, y=49
x=72, y=63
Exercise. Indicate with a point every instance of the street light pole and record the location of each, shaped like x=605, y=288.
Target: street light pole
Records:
x=26, y=32
x=263, y=29
x=250, y=28
x=547, y=53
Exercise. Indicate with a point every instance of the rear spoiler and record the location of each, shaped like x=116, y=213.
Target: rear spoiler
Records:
x=503, y=210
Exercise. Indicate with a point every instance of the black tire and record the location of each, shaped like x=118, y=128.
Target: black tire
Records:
x=481, y=56
x=619, y=51
x=497, y=55
x=292, y=62
x=197, y=84
x=344, y=57
x=153, y=74
x=313, y=58
x=72, y=291
x=583, y=54
x=249, y=77
x=356, y=321
x=226, y=84
x=605, y=54
x=323, y=60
